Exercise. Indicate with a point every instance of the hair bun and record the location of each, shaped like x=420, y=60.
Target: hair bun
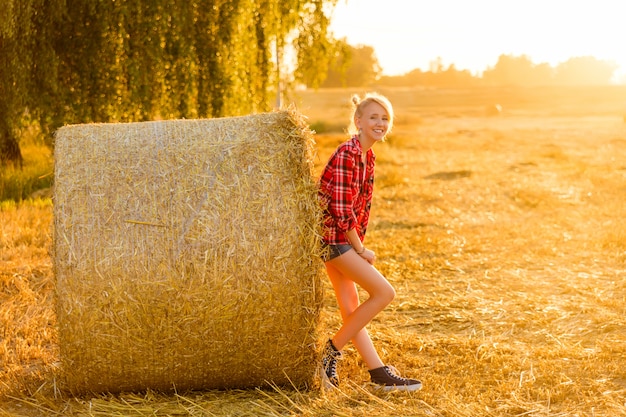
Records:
x=355, y=100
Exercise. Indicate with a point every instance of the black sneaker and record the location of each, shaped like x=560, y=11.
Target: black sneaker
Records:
x=387, y=379
x=330, y=379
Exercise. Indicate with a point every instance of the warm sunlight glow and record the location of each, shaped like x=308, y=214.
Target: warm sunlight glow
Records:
x=473, y=34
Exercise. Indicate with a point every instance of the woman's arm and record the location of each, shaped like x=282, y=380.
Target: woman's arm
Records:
x=342, y=195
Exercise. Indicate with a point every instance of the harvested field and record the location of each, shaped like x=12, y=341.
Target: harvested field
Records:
x=503, y=236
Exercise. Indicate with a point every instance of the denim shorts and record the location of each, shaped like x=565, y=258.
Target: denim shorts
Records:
x=333, y=251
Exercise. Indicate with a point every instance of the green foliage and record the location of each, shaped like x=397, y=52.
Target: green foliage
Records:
x=352, y=66
x=76, y=61
x=314, y=50
x=36, y=174
x=323, y=126
x=13, y=75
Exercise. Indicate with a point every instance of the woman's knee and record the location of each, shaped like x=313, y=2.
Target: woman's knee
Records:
x=388, y=293
x=381, y=289
x=384, y=294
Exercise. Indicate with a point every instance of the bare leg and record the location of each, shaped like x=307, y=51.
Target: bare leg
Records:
x=345, y=272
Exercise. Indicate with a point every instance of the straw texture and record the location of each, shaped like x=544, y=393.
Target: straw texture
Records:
x=186, y=253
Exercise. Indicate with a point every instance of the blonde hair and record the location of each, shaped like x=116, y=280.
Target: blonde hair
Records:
x=358, y=104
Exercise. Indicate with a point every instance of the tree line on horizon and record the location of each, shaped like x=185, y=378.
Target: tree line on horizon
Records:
x=358, y=66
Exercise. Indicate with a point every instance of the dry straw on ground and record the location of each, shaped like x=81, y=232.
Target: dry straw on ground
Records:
x=186, y=253
x=503, y=237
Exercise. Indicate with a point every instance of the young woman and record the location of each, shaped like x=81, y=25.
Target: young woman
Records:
x=346, y=186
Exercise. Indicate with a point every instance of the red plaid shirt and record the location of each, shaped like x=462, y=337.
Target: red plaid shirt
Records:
x=345, y=191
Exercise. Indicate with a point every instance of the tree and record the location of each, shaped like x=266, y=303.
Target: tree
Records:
x=77, y=61
x=510, y=70
x=575, y=71
x=341, y=59
x=585, y=70
x=314, y=49
x=352, y=66
x=14, y=29
x=364, y=68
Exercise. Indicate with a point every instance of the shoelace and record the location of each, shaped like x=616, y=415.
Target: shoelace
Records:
x=331, y=360
x=332, y=367
x=393, y=372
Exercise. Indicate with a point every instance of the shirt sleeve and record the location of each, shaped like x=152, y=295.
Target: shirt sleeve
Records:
x=342, y=200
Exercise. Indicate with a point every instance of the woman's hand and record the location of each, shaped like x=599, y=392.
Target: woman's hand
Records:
x=369, y=256
x=359, y=248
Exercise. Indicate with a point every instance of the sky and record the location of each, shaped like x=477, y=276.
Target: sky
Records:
x=472, y=34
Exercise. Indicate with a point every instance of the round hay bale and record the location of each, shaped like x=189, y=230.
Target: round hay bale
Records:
x=186, y=254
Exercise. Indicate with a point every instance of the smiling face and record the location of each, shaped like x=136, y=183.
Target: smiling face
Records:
x=373, y=122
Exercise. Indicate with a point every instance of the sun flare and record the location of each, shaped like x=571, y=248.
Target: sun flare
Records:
x=472, y=35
